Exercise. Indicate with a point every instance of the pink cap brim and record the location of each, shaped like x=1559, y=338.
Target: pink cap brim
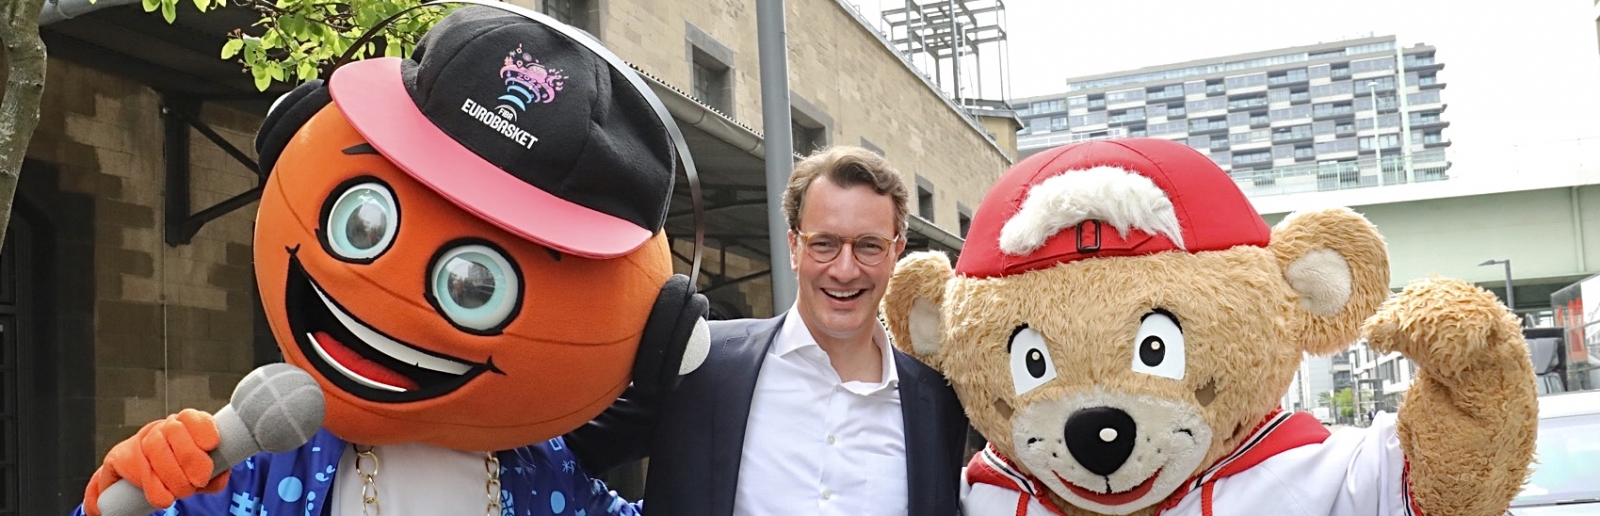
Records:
x=373, y=98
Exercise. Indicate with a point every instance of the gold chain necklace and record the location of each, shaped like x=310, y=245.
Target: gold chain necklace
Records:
x=369, y=481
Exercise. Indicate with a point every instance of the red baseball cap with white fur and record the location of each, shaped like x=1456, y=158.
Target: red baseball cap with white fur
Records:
x=1107, y=198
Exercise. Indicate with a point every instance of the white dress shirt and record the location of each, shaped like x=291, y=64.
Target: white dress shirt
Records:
x=815, y=445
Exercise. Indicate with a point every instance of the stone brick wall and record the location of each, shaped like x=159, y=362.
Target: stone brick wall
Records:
x=173, y=325
x=837, y=65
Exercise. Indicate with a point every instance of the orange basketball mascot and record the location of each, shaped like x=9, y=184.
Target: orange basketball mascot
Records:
x=464, y=250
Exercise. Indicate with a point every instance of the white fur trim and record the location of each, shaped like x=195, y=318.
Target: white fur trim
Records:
x=1322, y=277
x=924, y=327
x=699, y=346
x=1123, y=199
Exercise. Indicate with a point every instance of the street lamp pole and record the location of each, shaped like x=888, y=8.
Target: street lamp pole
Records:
x=1377, y=148
x=1511, y=298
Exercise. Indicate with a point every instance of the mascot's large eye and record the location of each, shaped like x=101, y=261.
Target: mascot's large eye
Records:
x=1030, y=360
x=1158, y=349
x=475, y=286
x=362, y=222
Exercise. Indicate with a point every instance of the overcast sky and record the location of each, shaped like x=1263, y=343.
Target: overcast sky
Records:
x=1525, y=71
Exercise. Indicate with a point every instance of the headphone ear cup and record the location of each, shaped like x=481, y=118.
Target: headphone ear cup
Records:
x=677, y=319
x=287, y=115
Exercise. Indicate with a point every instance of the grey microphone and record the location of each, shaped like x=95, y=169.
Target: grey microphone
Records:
x=275, y=408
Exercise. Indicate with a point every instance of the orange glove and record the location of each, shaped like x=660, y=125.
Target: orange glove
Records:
x=167, y=459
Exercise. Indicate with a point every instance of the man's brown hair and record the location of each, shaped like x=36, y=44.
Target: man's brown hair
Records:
x=846, y=167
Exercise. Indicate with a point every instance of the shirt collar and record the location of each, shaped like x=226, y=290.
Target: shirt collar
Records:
x=794, y=336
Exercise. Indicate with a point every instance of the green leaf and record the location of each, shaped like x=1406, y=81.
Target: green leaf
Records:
x=232, y=48
x=308, y=70
x=392, y=48
x=262, y=79
x=202, y=5
x=150, y=6
x=169, y=10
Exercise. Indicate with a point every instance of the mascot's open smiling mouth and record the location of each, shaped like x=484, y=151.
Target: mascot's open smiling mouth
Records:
x=360, y=359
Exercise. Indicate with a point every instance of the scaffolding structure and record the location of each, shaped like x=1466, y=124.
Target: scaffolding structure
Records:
x=954, y=37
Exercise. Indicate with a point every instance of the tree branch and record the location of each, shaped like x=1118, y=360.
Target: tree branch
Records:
x=19, y=111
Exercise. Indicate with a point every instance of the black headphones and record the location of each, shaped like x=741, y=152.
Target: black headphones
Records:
x=676, y=325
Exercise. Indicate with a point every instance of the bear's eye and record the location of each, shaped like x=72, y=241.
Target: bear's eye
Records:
x=1158, y=348
x=1030, y=360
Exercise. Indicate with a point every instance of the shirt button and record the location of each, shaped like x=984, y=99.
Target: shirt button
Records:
x=830, y=438
x=827, y=495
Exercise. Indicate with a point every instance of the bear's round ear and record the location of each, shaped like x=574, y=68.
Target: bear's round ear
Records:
x=913, y=301
x=287, y=115
x=1339, y=265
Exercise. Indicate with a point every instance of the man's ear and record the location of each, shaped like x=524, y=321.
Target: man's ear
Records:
x=913, y=302
x=1339, y=265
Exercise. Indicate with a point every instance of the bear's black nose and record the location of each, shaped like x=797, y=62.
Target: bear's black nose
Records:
x=1101, y=438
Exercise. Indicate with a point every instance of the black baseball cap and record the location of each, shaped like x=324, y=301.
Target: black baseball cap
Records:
x=521, y=126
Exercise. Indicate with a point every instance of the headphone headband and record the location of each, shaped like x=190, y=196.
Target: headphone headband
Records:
x=618, y=65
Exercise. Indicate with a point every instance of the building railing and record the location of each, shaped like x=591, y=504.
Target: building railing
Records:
x=1426, y=166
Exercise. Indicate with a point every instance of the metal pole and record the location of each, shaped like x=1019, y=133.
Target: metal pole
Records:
x=955, y=53
x=773, y=51
x=1377, y=145
x=1511, y=298
x=1405, y=115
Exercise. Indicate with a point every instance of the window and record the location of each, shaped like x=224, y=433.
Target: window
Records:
x=1304, y=152
x=1339, y=71
x=1167, y=92
x=1118, y=97
x=924, y=199
x=1278, y=95
x=711, y=85
x=1238, y=119
x=1130, y=115
x=571, y=12
x=1039, y=125
x=1296, y=75
x=1194, y=88
x=809, y=126
x=1318, y=72
x=1050, y=106
x=1428, y=80
x=712, y=69
x=1372, y=65
x=806, y=139
x=1299, y=96
x=1253, y=157
x=1254, y=101
x=1215, y=87
x=964, y=218
x=1176, y=110
x=1155, y=110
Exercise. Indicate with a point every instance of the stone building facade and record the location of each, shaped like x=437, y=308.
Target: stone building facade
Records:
x=107, y=325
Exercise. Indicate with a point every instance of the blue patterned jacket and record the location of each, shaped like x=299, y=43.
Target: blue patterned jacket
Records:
x=537, y=480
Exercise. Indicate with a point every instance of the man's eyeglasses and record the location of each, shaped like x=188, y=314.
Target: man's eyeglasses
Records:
x=824, y=247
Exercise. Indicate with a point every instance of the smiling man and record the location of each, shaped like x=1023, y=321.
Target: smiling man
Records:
x=813, y=411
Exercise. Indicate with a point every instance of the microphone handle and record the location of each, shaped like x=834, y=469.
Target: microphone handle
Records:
x=235, y=443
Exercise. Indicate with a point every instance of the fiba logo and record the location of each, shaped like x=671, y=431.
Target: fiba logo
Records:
x=527, y=82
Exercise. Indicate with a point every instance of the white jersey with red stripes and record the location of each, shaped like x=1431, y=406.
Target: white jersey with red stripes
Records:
x=1291, y=465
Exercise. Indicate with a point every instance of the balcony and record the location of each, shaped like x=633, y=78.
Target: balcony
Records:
x=1426, y=166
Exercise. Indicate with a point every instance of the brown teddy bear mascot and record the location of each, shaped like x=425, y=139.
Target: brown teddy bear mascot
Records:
x=1122, y=325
